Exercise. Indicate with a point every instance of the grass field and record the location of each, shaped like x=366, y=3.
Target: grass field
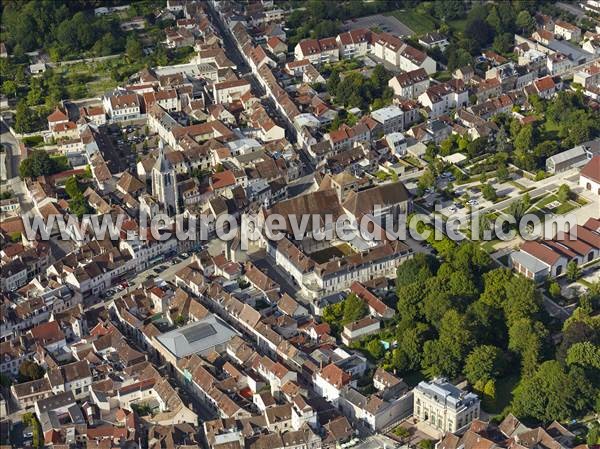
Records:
x=504, y=388
x=419, y=23
x=458, y=25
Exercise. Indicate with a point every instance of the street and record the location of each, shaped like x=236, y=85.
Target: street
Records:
x=10, y=144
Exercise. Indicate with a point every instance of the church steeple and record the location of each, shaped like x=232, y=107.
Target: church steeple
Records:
x=164, y=182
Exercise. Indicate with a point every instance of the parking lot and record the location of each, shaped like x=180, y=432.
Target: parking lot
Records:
x=389, y=24
x=127, y=143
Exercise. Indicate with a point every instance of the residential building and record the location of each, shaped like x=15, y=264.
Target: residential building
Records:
x=444, y=406
x=567, y=31
x=410, y=84
x=589, y=177
x=433, y=40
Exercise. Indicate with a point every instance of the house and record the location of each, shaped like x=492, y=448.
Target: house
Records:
x=566, y=160
x=397, y=53
x=228, y=91
x=588, y=77
x=545, y=87
x=354, y=43
x=277, y=46
x=93, y=114
x=377, y=307
x=444, y=406
x=434, y=39
x=121, y=106
x=297, y=68
x=539, y=259
x=330, y=381
x=441, y=98
x=390, y=119
x=558, y=63
x=567, y=31
x=410, y=84
x=56, y=118
x=317, y=51
x=465, y=74
x=488, y=88
x=359, y=329
x=589, y=177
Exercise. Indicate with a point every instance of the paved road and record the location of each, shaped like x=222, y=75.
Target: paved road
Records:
x=76, y=61
x=575, y=10
x=234, y=53
x=11, y=146
x=267, y=264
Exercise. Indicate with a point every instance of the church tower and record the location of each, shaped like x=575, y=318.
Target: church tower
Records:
x=164, y=183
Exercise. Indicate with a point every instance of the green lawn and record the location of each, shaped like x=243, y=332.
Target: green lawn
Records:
x=504, y=388
x=419, y=23
x=457, y=25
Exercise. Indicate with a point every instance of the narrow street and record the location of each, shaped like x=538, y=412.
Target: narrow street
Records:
x=234, y=53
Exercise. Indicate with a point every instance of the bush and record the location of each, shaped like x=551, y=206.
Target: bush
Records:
x=32, y=141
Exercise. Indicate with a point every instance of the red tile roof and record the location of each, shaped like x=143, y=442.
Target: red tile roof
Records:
x=57, y=116
x=335, y=376
x=591, y=170
x=541, y=252
x=222, y=179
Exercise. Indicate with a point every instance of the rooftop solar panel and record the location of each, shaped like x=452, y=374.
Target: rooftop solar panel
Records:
x=199, y=332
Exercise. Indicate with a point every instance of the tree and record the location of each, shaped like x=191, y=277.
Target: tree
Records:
x=593, y=435
x=30, y=371
x=9, y=88
x=489, y=193
x=519, y=207
x=554, y=290
x=503, y=43
x=445, y=355
x=526, y=338
x=525, y=22
x=525, y=139
x=564, y=193
x=483, y=363
x=38, y=163
x=489, y=391
x=523, y=300
x=134, y=49
x=573, y=271
x=585, y=354
x=553, y=394
x=401, y=432
x=502, y=173
x=426, y=444
x=72, y=187
x=476, y=147
x=418, y=269
x=25, y=118
x=426, y=180
x=354, y=309
x=375, y=349
x=576, y=331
